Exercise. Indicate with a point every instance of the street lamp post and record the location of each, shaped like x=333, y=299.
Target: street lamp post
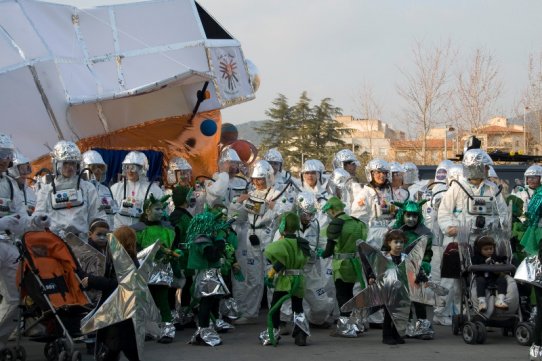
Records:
x=447, y=128
x=525, y=130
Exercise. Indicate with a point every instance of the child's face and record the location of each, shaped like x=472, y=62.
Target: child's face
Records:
x=487, y=250
x=99, y=236
x=154, y=213
x=396, y=246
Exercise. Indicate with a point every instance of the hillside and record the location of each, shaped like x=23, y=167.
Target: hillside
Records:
x=247, y=132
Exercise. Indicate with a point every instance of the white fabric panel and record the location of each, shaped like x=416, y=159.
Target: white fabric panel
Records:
x=108, y=55
x=145, y=25
x=29, y=125
x=98, y=35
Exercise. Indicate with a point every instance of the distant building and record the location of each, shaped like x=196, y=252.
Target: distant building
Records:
x=411, y=151
x=370, y=135
x=499, y=135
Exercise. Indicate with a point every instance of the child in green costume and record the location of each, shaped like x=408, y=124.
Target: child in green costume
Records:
x=409, y=219
x=180, y=218
x=150, y=229
x=206, y=245
x=343, y=232
x=288, y=256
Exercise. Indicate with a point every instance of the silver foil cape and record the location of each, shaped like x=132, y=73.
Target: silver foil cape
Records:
x=209, y=282
x=394, y=284
x=161, y=274
x=132, y=298
x=91, y=260
x=530, y=271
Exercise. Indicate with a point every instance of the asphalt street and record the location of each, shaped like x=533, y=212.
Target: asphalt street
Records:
x=242, y=344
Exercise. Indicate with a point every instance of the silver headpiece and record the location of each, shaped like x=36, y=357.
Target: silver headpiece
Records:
x=18, y=159
x=474, y=164
x=306, y=202
x=229, y=155
x=273, y=155
x=313, y=165
x=376, y=164
x=92, y=157
x=342, y=156
x=262, y=169
x=6, y=142
x=411, y=173
x=396, y=167
x=65, y=151
x=533, y=171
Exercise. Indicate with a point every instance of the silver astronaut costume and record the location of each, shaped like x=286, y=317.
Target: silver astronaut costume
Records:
x=91, y=159
x=340, y=184
x=458, y=209
x=20, y=171
x=259, y=221
x=318, y=190
x=399, y=193
x=525, y=193
x=13, y=220
x=179, y=172
x=69, y=203
x=130, y=195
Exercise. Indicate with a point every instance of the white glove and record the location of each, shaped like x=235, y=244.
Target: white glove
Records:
x=41, y=221
x=10, y=223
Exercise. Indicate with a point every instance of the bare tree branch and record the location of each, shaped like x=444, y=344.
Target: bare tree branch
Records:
x=425, y=88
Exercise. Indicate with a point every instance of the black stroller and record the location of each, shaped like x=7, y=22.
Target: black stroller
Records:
x=52, y=299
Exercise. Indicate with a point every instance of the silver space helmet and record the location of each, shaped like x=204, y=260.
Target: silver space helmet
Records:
x=65, y=151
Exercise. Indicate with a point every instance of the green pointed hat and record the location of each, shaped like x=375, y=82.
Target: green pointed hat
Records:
x=289, y=223
x=408, y=207
x=333, y=203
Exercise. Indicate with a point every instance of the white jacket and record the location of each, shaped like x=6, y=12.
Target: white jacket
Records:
x=135, y=195
x=76, y=219
x=453, y=210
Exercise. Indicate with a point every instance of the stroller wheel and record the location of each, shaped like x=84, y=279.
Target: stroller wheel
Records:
x=524, y=333
x=76, y=356
x=50, y=351
x=20, y=353
x=482, y=332
x=63, y=356
x=6, y=354
x=470, y=333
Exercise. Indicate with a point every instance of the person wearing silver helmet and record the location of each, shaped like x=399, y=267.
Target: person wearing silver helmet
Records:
x=13, y=221
x=397, y=172
x=96, y=169
x=257, y=217
x=227, y=184
x=131, y=192
x=179, y=173
x=312, y=182
x=373, y=202
x=68, y=203
x=21, y=171
x=532, y=178
x=319, y=300
x=412, y=182
x=319, y=285
x=457, y=211
x=347, y=160
x=273, y=157
x=341, y=185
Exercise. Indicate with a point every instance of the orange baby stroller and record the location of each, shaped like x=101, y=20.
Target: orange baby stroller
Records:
x=51, y=295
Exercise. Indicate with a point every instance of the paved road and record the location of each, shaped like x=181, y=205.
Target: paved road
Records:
x=242, y=344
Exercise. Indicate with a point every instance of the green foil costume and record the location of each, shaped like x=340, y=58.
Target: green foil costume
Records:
x=287, y=252
x=531, y=239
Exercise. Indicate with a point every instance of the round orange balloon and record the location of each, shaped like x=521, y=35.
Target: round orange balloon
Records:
x=246, y=150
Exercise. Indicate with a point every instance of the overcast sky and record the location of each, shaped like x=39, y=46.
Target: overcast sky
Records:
x=331, y=47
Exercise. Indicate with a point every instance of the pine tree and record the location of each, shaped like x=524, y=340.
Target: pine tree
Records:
x=302, y=132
